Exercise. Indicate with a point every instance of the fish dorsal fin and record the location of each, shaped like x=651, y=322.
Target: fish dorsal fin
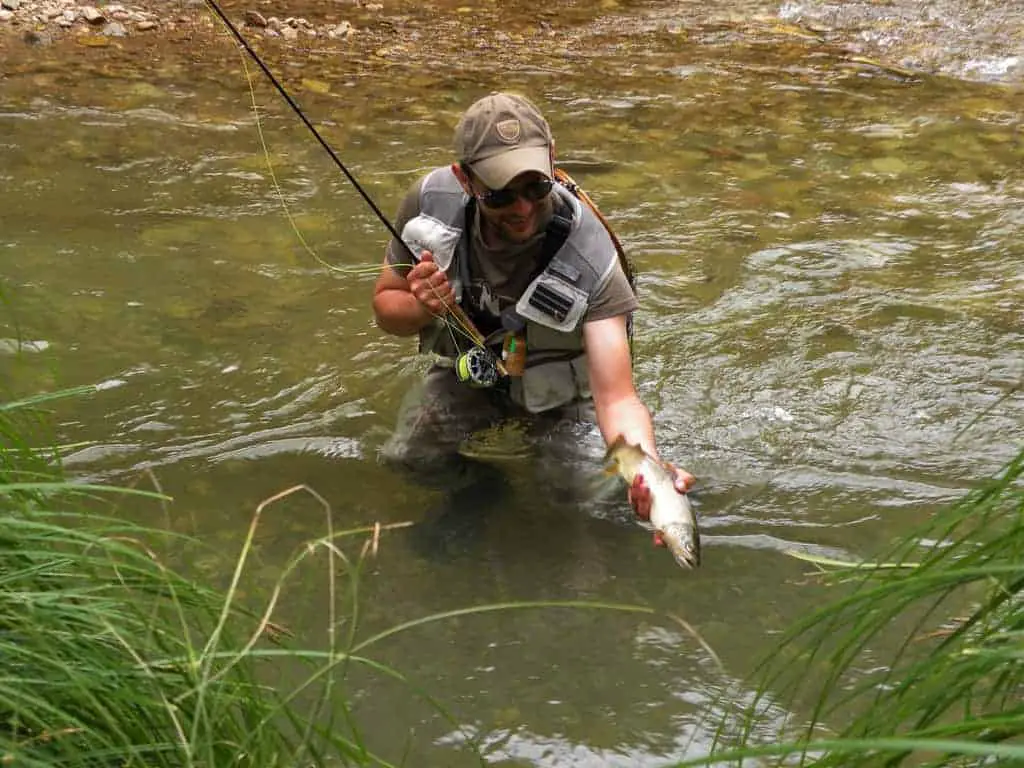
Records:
x=623, y=454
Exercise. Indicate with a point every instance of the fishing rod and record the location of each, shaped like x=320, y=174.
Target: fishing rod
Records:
x=460, y=315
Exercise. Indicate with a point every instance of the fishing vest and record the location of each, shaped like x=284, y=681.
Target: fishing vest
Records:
x=552, y=306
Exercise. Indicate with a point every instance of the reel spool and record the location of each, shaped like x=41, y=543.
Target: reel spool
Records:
x=478, y=367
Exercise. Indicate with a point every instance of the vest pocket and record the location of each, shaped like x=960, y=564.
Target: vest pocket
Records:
x=552, y=302
x=550, y=385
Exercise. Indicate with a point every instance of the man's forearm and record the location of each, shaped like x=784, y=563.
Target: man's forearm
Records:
x=400, y=313
x=629, y=418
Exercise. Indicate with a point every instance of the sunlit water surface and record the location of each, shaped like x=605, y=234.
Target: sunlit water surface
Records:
x=830, y=261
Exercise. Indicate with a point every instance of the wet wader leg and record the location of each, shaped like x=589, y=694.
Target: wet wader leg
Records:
x=434, y=419
x=455, y=524
x=569, y=451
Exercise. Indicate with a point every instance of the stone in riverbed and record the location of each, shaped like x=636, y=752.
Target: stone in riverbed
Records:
x=255, y=18
x=10, y=5
x=341, y=31
x=115, y=29
x=92, y=16
x=145, y=26
x=6, y=15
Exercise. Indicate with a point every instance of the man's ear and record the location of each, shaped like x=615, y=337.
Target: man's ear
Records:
x=462, y=177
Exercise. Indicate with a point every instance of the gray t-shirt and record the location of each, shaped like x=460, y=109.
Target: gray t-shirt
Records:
x=499, y=274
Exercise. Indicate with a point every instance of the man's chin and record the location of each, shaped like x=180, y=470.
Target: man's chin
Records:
x=518, y=233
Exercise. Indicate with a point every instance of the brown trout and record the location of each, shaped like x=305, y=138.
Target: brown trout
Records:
x=672, y=517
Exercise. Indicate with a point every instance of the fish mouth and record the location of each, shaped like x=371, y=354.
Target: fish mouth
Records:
x=687, y=557
x=683, y=542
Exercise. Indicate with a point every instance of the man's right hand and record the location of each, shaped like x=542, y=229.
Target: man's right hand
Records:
x=429, y=284
x=639, y=494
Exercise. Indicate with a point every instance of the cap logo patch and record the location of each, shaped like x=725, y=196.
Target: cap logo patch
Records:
x=509, y=131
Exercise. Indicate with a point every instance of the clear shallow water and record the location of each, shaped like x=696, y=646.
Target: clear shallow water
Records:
x=831, y=270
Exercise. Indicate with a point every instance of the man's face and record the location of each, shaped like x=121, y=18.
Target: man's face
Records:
x=520, y=210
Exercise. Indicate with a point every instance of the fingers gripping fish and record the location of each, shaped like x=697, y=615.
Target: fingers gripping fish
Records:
x=672, y=516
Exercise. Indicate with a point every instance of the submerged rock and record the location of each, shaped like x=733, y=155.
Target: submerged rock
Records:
x=15, y=346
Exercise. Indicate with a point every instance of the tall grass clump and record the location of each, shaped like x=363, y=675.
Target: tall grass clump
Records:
x=921, y=661
x=108, y=658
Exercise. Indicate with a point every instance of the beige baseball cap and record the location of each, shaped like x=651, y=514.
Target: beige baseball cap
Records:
x=501, y=136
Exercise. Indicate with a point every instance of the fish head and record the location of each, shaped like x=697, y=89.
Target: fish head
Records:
x=683, y=541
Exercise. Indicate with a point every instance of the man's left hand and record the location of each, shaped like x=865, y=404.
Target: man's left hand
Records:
x=639, y=493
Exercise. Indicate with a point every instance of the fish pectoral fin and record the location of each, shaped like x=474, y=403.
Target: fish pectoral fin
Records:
x=615, y=445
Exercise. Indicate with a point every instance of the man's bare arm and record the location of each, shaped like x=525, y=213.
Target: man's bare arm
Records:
x=619, y=408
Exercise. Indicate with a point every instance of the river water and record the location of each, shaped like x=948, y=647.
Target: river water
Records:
x=831, y=268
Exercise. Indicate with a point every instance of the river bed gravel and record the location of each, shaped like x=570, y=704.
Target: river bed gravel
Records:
x=968, y=39
x=44, y=21
x=47, y=21
x=340, y=37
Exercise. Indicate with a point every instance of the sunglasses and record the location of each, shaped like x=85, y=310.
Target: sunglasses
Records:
x=533, y=192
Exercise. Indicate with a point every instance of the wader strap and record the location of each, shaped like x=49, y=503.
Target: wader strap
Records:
x=463, y=268
x=557, y=233
x=467, y=237
x=625, y=262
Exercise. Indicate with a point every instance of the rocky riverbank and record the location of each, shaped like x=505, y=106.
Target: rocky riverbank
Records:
x=342, y=36
x=962, y=38
x=40, y=17
x=42, y=22
x=90, y=22
x=316, y=42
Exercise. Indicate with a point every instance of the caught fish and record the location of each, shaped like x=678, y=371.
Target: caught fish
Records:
x=672, y=517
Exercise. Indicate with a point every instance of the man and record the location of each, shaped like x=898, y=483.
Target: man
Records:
x=530, y=266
